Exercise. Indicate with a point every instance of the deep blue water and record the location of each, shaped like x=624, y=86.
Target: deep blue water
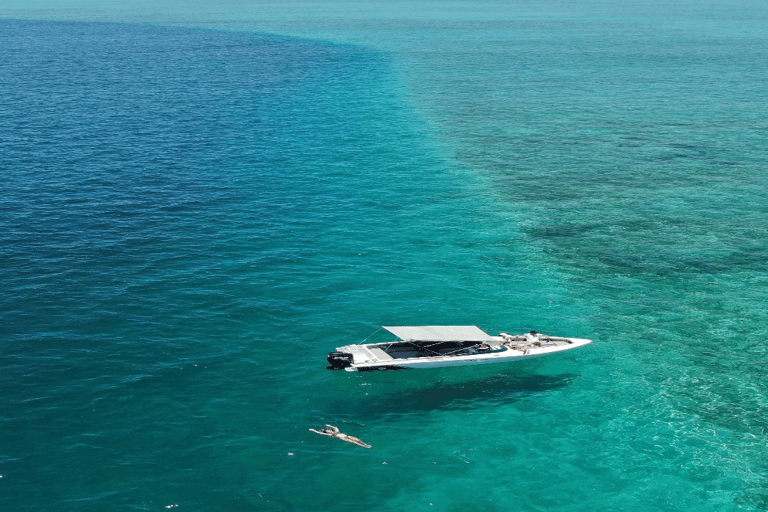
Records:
x=191, y=218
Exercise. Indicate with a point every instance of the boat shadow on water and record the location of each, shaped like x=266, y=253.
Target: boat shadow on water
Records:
x=394, y=393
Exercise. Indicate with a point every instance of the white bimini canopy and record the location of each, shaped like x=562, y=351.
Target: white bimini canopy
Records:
x=440, y=333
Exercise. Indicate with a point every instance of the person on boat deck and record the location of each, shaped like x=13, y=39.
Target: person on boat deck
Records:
x=332, y=431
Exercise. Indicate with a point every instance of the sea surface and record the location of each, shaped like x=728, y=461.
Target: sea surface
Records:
x=199, y=200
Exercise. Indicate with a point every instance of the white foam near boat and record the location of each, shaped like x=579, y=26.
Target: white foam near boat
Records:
x=434, y=346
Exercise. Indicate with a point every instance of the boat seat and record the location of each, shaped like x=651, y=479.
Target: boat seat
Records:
x=380, y=354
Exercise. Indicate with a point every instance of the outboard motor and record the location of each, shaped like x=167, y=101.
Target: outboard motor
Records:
x=339, y=360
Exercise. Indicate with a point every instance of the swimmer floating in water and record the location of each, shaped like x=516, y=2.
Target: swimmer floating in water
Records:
x=332, y=431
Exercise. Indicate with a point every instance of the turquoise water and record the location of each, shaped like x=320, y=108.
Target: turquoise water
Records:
x=202, y=200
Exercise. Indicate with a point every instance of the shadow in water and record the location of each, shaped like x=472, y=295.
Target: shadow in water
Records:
x=426, y=390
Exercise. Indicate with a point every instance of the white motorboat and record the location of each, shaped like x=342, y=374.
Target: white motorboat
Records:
x=435, y=346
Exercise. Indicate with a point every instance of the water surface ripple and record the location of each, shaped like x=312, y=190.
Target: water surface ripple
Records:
x=191, y=219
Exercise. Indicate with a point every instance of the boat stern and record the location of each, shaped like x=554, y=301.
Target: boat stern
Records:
x=340, y=360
